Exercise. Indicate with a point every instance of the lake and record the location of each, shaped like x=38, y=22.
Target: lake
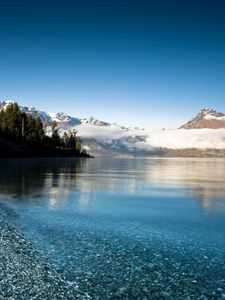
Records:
x=125, y=228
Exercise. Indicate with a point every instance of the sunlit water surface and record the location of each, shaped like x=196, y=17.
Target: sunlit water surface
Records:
x=125, y=228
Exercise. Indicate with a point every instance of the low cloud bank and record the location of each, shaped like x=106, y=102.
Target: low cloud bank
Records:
x=134, y=141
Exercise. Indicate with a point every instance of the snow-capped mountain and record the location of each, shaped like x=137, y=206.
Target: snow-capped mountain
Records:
x=46, y=118
x=102, y=138
x=61, y=118
x=206, y=118
x=95, y=121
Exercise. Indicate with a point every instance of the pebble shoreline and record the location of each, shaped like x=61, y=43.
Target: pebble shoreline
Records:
x=25, y=273
x=132, y=273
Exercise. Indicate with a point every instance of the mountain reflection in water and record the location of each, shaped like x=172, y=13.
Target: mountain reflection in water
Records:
x=55, y=179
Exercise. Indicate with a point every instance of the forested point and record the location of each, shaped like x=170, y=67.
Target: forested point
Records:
x=24, y=135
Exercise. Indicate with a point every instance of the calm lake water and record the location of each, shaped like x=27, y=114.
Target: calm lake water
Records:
x=125, y=228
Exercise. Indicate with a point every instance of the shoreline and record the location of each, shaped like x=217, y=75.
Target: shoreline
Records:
x=25, y=272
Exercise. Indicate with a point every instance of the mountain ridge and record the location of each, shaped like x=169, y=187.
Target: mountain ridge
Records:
x=59, y=117
x=102, y=138
x=206, y=118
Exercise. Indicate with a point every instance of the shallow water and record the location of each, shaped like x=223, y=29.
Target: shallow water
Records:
x=125, y=228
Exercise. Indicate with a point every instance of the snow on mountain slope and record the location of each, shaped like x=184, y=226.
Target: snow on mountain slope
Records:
x=95, y=121
x=206, y=118
x=30, y=110
x=102, y=138
x=62, y=118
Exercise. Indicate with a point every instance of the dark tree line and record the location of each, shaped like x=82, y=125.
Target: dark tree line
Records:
x=19, y=126
x=24, y=129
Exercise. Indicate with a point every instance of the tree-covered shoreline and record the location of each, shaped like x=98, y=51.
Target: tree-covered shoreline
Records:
x=23, y=135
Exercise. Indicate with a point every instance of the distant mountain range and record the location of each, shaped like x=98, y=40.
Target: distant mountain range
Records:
x=60, y=117
x=103, y=138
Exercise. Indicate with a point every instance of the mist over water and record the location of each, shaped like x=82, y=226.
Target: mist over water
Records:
x=125, y=228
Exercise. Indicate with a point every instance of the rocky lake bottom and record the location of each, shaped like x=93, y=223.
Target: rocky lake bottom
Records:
x=147, y=229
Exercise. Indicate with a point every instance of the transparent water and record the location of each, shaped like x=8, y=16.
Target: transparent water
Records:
x=125, y=228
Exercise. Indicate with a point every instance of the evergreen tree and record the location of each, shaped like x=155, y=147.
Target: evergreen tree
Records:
x=55, y=135
x=27, y=129
x=54, y=125
x=65, y=139
x=2, y=121
x=39, y=129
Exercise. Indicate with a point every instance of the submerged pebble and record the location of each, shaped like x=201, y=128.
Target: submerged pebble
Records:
x=24, y=272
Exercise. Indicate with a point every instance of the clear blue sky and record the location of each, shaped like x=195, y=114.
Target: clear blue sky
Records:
x=147, y=63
